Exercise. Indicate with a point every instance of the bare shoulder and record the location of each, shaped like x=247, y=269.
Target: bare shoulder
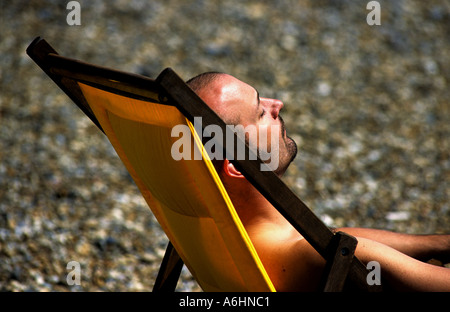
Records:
x=290, y=261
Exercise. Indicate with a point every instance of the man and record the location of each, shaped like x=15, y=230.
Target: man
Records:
x=291, y=262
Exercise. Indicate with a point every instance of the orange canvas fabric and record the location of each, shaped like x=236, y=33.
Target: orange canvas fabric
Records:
x=186, y=196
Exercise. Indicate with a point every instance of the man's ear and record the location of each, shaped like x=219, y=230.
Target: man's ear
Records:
x=230, y=170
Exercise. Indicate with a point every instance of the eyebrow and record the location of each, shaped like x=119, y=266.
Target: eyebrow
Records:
x=257, y=98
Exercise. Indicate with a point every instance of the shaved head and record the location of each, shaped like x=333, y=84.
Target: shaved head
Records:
x=203, y=80
x=209, y=86
x=238, y=103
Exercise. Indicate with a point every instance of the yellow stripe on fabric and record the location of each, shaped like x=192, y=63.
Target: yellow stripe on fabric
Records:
x=229, y=205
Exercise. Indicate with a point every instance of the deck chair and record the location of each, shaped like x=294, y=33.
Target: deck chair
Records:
x=187, y=197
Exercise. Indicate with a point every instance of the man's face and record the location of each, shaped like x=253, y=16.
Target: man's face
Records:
x=235, y=100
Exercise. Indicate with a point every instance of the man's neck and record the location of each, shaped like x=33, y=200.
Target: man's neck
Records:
x=254, y=208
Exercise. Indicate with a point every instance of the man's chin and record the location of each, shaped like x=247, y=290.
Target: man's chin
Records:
x=291, y=153
x=292, y=149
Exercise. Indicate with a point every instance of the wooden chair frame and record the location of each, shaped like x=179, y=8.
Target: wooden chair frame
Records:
x=343, y=269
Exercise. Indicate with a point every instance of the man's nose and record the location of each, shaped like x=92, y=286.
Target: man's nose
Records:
x=273, y=106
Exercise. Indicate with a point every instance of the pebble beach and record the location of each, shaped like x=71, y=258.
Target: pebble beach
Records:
x=368, y=105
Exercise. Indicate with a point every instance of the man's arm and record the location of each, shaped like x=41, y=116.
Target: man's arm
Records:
x=421, y=247
x=402, y=272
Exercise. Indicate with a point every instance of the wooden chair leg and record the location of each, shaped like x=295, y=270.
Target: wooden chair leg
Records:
x=339, y=262
x=169, y=272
